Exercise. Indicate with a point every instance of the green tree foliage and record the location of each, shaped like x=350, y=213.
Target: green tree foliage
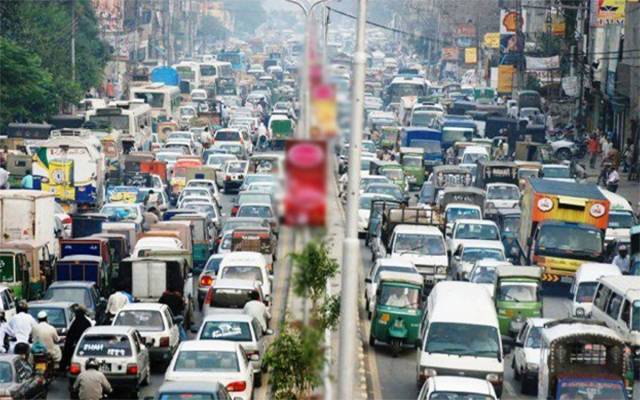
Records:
x=44, y=28
x=313, y=268
x=26, y=88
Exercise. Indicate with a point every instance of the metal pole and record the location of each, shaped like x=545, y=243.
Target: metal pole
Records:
x=351, y=248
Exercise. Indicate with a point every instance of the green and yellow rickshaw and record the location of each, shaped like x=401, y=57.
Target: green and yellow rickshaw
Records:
x=518, y=296
x=398, y=310
x=25, y=267
x=412, y=161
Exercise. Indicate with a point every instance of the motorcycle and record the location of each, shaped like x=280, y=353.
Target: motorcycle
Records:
x=43, y=363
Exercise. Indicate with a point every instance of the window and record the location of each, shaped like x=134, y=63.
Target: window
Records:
x=145, y=320
x=613, y=309
x=602, y=295
x=6, y=372
x=209, y=361
x=626, y=312
x=104, y=345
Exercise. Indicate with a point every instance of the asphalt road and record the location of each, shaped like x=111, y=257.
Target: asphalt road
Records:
x=395, y=378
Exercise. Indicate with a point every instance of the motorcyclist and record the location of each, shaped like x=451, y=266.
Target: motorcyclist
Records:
x=21, y=324
x=46, y=334
x=91, y=384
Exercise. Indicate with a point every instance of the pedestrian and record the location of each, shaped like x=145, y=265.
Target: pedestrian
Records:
x=116, y=301
x=80, y=324
x=4, y=178
x=259, y=311
x=592, y=148
x=613, y=180
x=173, y=298
x=109, y=89
x=622, y=260
x=91, y=384
x=27, y=181
x=46, y=334
x=21, y=324
x=605, y=146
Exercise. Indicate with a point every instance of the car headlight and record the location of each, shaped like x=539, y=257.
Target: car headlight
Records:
x=532, y=366
x=580, y=312
x=441, y=270
x=494, y=378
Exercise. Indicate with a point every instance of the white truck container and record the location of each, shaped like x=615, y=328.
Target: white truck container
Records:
x=28, y=215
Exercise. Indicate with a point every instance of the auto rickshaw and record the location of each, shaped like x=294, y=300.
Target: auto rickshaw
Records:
x=17, y=166
x=391, y=170
x=398, y=310
x=203, y=237
x=25, y=266
x=526, y=170
x=258, y=239
x=496, y=172
x=412, y=161
x=388, y=139
x=518, y=296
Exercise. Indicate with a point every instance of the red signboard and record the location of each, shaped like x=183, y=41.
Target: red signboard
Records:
x=305, y=202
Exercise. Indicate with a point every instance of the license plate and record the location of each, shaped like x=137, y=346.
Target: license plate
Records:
x=566, y=279
x=105, y=368
x=41, y=367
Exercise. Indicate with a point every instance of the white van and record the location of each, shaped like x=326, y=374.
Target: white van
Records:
x=461, y=335
x=584, y=286
x=246, y=265
x=617, y=304
x=621, y=218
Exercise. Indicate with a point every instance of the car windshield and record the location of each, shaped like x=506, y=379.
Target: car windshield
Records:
x=477, y=232
x=207, y=361
x=391, y=190
x=463, y=339
x=412, y=162
x=120, y=213
x=454, y=213
x=392, y=173
x=430, y=147
x=556, y=172
x=585, y=292
x=248, y=273
x=569, y=239
x=218, y=159
x=483, y=275
x=74, y=295
x=255, y=212
x=421, y=244
x=534, y=338
x=235, y=167
x=472, y=255
x=237, y=331
x=423, y=118
x=142, y=320
x=503, y=192
x=55, y=316
x=621, y=220
x=458, y=396
x=6, y=372
x=518, y=292
x=452, y=135
x=399, y=296
x=104, y=346
x=511, y=224
x=472, y=158
x=232, y=298
x=199, y=207
x=230, y=136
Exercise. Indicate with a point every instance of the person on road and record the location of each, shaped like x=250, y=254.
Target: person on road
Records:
x=27, y=181
x=91, y=384
x=48, y=336
x=4, y=178
x=592, y=148
x=115, y=303
x=622, y=259
x=259, y=311
x=21, y=324
x=613, y=180
x=80, y=324
x=4, y=343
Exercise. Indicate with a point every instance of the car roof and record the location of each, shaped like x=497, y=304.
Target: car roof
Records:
x=451, y=303
x=242, y=257
x=492, y=244
x=210, y=345
x=475, y=221
x=461, y=384
x=51, y=304
x=593, y=271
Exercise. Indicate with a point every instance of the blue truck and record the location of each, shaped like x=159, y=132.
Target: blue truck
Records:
x=457, y=129
x=428, y=139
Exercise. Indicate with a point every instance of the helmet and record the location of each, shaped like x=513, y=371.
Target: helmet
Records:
x=22, y=306
x=91, y=363
x=42, y=315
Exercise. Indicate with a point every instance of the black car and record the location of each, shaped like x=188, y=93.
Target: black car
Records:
x=18, y=380
x=80, y=292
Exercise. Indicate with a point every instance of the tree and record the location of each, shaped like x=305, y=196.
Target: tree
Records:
x=313, y=268
x=249, y=14
x=26, y=87
x=44, y=28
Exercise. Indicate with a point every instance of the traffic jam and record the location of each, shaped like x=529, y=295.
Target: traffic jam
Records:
x=151, y=242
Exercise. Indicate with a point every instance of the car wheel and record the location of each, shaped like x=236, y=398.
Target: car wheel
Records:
x=525, y=385
x=372, y=341
x=257, y=379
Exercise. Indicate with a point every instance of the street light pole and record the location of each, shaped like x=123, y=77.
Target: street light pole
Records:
x=351, y=247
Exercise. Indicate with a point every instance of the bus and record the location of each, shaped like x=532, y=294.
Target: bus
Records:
x=164, y=100
x=403, y=87
x=189, y=71
x=236, y=58
x=132, y=119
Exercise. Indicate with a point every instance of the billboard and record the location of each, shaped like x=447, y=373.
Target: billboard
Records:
x=305, y=201
x=607, y=12
x=470, y=55
x=505, y=78
x=450, y=54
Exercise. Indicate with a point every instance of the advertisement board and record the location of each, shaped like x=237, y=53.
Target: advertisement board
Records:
x=306, y=179
x=470, y=55
x=605, y=12
x=505, y=78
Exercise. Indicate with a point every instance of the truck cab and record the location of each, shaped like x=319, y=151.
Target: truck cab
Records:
x=424, y=246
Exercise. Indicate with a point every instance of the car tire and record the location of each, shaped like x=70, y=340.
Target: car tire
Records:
x=372, y=341
x=525, y=385
x=257, y=380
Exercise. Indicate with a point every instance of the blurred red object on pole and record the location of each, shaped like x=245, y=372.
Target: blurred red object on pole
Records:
x=305, y=202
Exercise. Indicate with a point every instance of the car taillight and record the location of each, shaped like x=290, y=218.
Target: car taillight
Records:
x=238, y=386
x=74, y=369
x=218, y=240
x=132, y=369
x=227, y=178
x=67, y=220
x=209, y=298
x=234, y=211
x=164, y=341
x=206, y=280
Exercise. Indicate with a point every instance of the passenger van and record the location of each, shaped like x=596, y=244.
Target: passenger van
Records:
x=621, y=219
x=131, y=118
x=461, y=337
x=617, y=304
x=584, y=286
x=189, y=71
x=163, y=99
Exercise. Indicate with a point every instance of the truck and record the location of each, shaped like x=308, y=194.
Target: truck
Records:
x=581, y=358
x=413, y=233
x=428, y=139
x=562, y=225
x=28, y=215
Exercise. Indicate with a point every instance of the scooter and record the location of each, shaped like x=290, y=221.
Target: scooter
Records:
x=43, y=363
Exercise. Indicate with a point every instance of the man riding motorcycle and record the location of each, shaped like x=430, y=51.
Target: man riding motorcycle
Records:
x=91, y=384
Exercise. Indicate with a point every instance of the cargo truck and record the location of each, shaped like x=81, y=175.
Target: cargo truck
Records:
x=28, y=215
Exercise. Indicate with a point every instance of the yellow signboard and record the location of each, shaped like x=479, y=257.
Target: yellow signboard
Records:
x=505, y=78
x=470, y=55
x=60, y=180
x=492, y=40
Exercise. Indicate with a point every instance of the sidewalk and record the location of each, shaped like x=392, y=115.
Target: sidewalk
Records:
x=628, y=190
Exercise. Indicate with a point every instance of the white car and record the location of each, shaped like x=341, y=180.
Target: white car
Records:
x=231, y=295
x=364, y=210
x=120, y=350
x=246, y=265
x=457, y=387
x=240, y=328
x=502, y=195
x=557, y=172
x=373, y=278
x=214, y=361
x=156, y=325
x=472, y=229
x=526, y=354
x=199, y=192
x=234, y=172
x=206, y=183
x=471, y=251
x=217, y=161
